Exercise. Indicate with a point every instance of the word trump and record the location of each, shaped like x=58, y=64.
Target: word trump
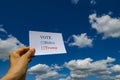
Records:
x=48, y=48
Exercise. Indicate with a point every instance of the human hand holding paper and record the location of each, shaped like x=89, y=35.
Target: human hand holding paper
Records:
x=19, y=60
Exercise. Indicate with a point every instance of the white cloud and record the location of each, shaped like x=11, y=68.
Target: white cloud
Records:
x=108, y=26
x=48, y=75
x=56, y=67
x=39, y=69
x=81, y=41
x=116, y=68
x=79, y=70
x=8, y=45
x=43, y=72
x=75, y=64
x=101, y=67
x=74, y=1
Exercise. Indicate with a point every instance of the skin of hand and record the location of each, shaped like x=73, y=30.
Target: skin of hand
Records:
x=19, y=60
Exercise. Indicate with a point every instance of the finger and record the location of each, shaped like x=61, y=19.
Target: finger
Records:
x=21, y=51
x=30, y=53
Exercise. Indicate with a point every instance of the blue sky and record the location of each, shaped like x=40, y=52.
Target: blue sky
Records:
x=90, y=29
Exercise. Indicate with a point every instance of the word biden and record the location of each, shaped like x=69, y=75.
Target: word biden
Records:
x=46, y=42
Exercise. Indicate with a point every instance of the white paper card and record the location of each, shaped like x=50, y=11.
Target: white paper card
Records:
x=46, y=42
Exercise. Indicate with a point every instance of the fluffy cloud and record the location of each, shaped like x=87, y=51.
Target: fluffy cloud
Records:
x=56, y=67
x=7, y=44
x=81, y=41
x=101, y=67
x=43, y=72
x=79, y=70
x=39, y=69
x=48, y=75
x=116, y=69
x=108, y=26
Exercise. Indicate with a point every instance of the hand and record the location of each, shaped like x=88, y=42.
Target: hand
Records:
x=19, y=60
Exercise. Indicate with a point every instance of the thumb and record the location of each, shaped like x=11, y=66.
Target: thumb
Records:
x=28, y=55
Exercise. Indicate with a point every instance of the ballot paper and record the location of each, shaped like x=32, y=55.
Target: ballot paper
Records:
x=46, y=43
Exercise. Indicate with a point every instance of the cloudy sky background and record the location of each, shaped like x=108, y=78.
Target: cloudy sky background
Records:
x=90, y=29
